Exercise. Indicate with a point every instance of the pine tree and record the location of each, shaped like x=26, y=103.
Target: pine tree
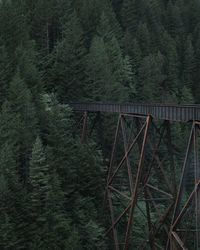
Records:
x=143, y=38
x=173, y=21
x=75, y=171
x=129, y=78
x=100, y=79
x=188, y=64
x=151, y=79
x=13, y=203
x=43, y=18
x=58, y=139
x=153, y=18
x=13, y=26
x=192, y=15
x=129, y=16
x=7, y=236
x=57, y=227
x=38, y=175
x=68, y=69
x=132, y=50
x=5, y=72
x=24, y=115
x=196, y=91
x=89, y=12
x=172, y=66
x=28, y=71
x=39, y=186
x=104, y=29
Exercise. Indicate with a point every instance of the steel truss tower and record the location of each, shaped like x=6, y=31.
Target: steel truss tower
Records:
x=147, y=190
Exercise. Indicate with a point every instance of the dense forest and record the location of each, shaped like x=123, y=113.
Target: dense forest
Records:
x=56, y=51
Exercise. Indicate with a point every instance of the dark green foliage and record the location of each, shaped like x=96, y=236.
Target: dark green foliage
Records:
x=5, y=72
x=14, y=30
x=188, y=63
x=143, y=37
x=130, y=16
x=38, y=178
x=151, y=79
x=13, y=203
x=55, y=51
x=68, y=68
x=99, y=71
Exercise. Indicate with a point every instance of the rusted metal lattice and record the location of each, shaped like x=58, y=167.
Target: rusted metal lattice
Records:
x=146, y=208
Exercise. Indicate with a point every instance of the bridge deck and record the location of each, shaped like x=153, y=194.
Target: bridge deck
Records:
x=170, y=112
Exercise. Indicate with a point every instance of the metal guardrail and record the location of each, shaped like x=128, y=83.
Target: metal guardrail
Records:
x=170, y=112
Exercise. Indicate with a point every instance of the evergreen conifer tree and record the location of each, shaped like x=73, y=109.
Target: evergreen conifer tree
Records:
x=100, y=79
x=5, y=72
x=68, y=73
x=13, y=26
x=188, y=64
x=7, y=236
x=129, y=16
x=39, y=186
x=23, y=110
x=172, y=66
x=13, y=202
x=57, y=226
x=151, y=78
x=143, y=37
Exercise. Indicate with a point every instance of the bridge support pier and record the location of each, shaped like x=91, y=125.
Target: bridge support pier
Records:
x=141, y=194
x=186, y=217
x=146, y=169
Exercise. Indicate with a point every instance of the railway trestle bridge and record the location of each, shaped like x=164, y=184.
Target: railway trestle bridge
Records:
x=148, y=189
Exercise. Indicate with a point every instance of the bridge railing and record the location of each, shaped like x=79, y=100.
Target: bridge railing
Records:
x=171, y=112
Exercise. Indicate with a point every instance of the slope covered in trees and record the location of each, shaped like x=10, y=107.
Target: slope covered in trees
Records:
x=55, y=51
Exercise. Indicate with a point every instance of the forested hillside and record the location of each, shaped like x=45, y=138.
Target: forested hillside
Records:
x=56, y=51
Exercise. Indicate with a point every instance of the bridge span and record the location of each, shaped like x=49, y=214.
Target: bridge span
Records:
x=170, y=112
x=147, y=189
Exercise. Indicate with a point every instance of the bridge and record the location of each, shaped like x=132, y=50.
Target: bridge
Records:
x=148, y=188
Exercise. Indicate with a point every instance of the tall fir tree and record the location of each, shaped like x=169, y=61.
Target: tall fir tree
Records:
x=68, y=73
x=129, y=15
x=100, y=80
x=13, y=203
x=6, y=72
x=23, y=110
x=172, y=66
x=144, y=39
x=13, y=25
x=151, y=79
x=188, y=64
x=39, y=186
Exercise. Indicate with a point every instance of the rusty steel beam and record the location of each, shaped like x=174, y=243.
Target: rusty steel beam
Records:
x=118, y=218
x=160, y=191
x=171, y=156
x=127, y=158
x=197, y=178
x=113, y=220
x=119, y=192
x=127, y=152
x=184, y=171
x=185, y=205
x=175, y=235
x=110, y=166
x=151, y=238
x=134, y=196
